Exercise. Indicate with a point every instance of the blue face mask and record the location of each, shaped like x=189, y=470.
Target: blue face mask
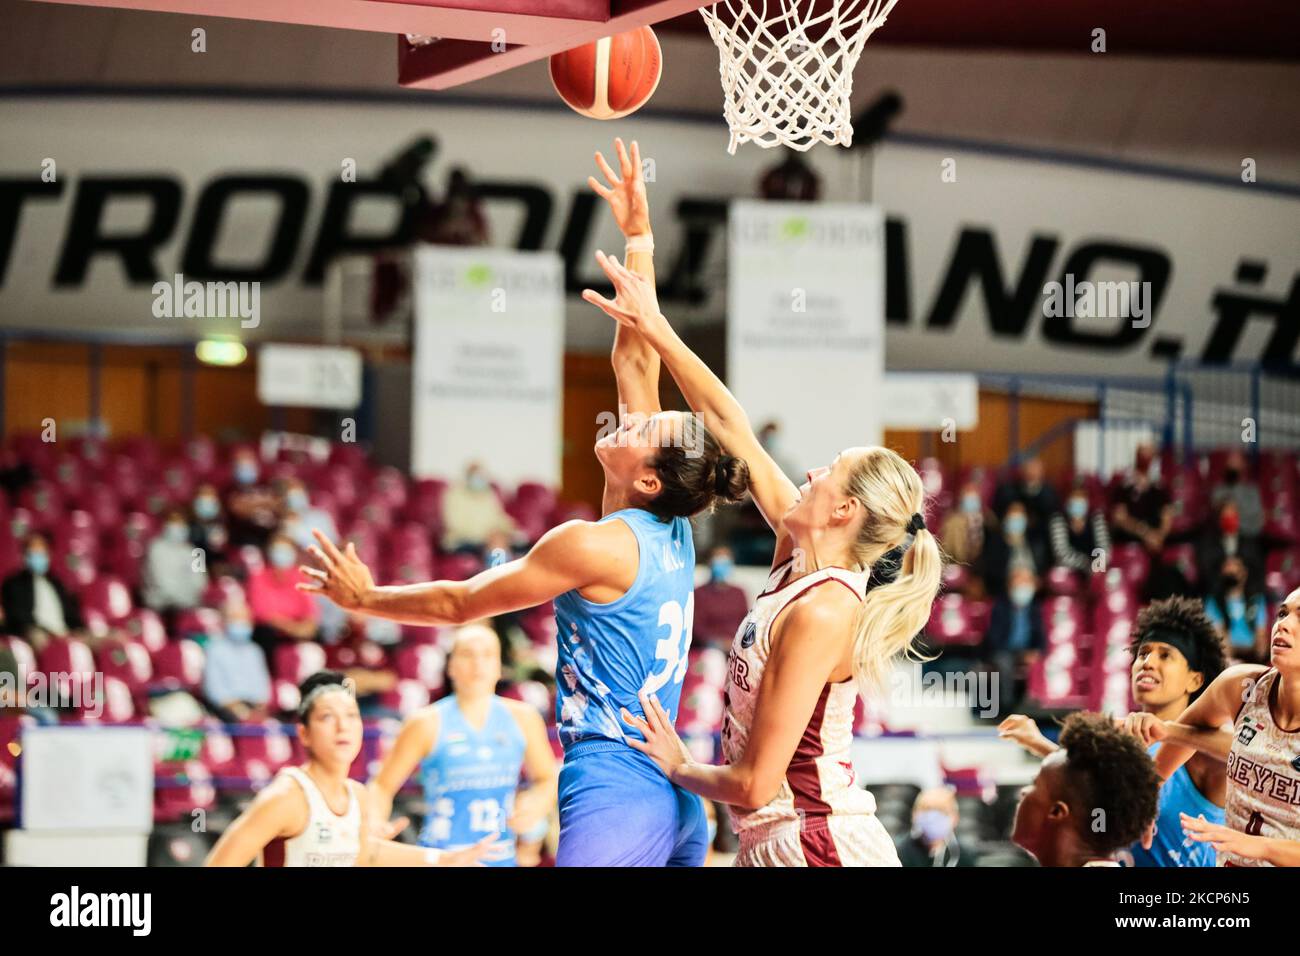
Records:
x=1016, y=524
x=934, y=825
x=721, y=568
x=38, y=562
x=971, y=504
x=239, y=631
x=477, y=482
x=1022, y=594
x=206, y=508
x=176, y=533
x=245, y=472
x=296, y=500
x=1076, y=507
x=283, y=556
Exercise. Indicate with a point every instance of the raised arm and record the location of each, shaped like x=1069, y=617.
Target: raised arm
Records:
x=278, y=810
x=576, y=554
x=636, y=364
x=636, y=306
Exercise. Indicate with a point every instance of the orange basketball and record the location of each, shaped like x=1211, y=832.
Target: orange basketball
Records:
x=611, y=77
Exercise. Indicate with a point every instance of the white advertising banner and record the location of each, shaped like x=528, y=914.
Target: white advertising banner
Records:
x=87, y=778
x=930, y=401
x=489, y=356
x=309, y=376
x=806, y=322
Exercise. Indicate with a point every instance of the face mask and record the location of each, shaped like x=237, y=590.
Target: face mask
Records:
x=971, y=504
x=283, y=556
x=1230, y=523
x=1022, y=594
x=1016, y=524
x=176, y=532
x=239, y=631
x=1077, y=508
x=38, y=562
x=934, y=825
x=477, y=482
x=206, y=508
x=296, y=500
x=245, y=472
x=721, y=568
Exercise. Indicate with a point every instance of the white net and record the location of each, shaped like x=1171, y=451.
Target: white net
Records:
x=787, y=67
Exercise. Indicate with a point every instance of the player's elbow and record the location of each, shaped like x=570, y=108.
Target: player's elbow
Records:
x=758, y=790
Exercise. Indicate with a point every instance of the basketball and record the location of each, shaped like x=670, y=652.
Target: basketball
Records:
x=611, y=77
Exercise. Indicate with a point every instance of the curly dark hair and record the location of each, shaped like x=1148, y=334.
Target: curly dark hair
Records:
x=1186, y=616
x=1109, y=771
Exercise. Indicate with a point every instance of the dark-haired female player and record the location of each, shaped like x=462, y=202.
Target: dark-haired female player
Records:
x=1094, y=795
x=816, y=637
x=623, y=588
x=314, y=815
x=1177, y=654
x=1262, y=703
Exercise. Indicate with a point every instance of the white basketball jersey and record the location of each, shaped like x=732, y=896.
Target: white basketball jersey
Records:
x=329, y=839
x=1263, y=773
x=820, y=780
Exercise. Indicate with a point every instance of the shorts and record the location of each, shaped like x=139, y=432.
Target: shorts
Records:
x=857, y=839
x=618, y=809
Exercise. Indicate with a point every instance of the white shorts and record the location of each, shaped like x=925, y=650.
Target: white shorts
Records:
x=857, y=839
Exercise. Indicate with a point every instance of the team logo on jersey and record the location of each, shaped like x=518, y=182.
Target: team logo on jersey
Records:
x=324, y=833
x=1248, y=732
x=484, y=753
x=747, y=638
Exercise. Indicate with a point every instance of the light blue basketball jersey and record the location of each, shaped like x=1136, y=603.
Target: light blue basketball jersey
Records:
x=609, y=652
x=471, y=777
x=1171, y=847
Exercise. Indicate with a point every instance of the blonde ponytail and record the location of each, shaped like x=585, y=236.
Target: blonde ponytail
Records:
x=893, y=614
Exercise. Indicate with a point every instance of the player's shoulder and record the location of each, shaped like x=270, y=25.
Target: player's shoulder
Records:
x=578, y=539
x=525, y=714
x=1240, y=675
x=285, y=797
x=823, y=611
x=424, y=721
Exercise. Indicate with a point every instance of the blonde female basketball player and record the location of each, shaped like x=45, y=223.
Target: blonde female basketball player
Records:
x=314, y=815
x=811, y=636
x=1263, y=750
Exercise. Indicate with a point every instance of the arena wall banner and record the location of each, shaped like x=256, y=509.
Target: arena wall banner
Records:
x=102, y=198
x=489, y=355
x=805, y=322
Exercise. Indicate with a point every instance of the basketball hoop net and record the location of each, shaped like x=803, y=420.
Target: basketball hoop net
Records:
x=787, y=67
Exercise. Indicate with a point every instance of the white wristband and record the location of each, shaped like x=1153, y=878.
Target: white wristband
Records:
x=642, y=243
x=432, y=856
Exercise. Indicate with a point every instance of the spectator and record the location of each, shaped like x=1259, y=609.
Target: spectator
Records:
x=171, y=578
x=1078, y=534
x=236, y=682
x=471, y=511
x=720, y=606
x=281, y=612
x=459, y=220
x=299, y=519
x=1030, y=490
x=1242, y=492
x=1143, y=514
x=253, y=509
x=1015, y=637
x=1223, y=539
x=1240, y=614
x=37, y=607
x=208, y=526
x=1098, y=773
x=964, y=532
x=369, y=668
x=1012, y=548
x=933, y=839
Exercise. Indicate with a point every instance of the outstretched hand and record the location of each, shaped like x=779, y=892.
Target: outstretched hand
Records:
x=342, y=577
x=634, y=304
x=625, y=190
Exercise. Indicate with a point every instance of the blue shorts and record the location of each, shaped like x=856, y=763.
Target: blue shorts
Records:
x=618, y=809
